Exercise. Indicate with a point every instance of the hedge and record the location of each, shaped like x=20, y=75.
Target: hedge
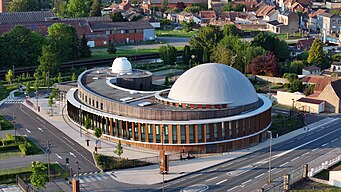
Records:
x=10, y=147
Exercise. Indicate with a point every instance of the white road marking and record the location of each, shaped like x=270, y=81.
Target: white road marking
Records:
x=226, y=165
x=211, y=179
x=259, y=175
x=195, y=176
x=294, y=158
x=314, y=149
x=220, y=182
x=92, y=178
x=335, y=140
x=40, y=129
x=72, y=154
x=306, y=153
x=233, y=188
x=324, y=144
x=246, y=181
x=273, y=169
x=28, y=131
x=69, y=141
x=284, y=164
x=59, y=157
x=214, y=169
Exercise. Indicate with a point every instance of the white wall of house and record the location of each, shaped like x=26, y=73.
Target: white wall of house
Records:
x=306, y=72
x=285, y=98
x=148, y=34
x=310, y=107
x=335, y=178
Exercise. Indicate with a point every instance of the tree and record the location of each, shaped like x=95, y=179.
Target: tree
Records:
x=168, y=54
x=20, y=47
x=117, y=17
x=290, y=76
x=73, y=77
x=303, y=56
x=96, y=8
x=49, y=60
x=50, y=103
x=228, y=7
x=231, y=29
x=316, y=54
x=66, y=41
x=265, y=65
x=203, y=43
x=193, y=9
x=239, y=7
x=336, y=57
x=296, y=67
x=98, y=134
x=271, y=43
x=59, y=78
x=166, y=83
x=39, y=175
x=119, y=149
x=84, y=49
x=9, y=76
x=60, y=8
x=77, y=8
x=111, y=48
x=164, y=5
x=186, y=57
x=87, y=123
x=296, y=85
x=188, y=26
x=222, y=54
x=24, y=5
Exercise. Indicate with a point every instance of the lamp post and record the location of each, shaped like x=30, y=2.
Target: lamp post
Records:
x=270, y=145
x=48, y=151
x=292, y=108
x=77, y=170
x=80, y=120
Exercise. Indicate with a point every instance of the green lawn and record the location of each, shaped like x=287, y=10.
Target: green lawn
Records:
x=174, y=33
x=5, y=124
x=282, y=124
x=8, y=176
x=10, y=154
x=9, y=145
x=125, y=52
x=291, y=36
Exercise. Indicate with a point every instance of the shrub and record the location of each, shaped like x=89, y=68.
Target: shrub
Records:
x=10, y=147
x=9, y=137
x=23, y=149
x=112, y=48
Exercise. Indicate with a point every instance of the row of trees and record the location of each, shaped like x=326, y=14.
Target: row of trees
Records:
x=61, y=8
x=21, y=47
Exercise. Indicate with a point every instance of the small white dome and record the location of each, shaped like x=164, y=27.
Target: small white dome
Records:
x=213, y=83
x=121, y=65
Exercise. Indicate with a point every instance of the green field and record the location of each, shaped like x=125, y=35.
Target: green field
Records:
x=5, y=124
x=175, y=33
x=102, y=53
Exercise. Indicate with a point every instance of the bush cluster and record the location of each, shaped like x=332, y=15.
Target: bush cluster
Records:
x=113, y=163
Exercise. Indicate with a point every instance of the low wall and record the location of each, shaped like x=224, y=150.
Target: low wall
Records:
x=271, y=79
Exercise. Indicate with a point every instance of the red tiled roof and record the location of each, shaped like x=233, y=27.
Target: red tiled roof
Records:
x=305, y=79
x=309, y=100
x=207, y=14
x=313, y=79
x=318, y=12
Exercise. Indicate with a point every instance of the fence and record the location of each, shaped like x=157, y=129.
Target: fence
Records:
x=23, y=186
x=315, y=166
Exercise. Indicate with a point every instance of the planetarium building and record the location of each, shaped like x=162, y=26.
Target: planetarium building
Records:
x=210, y=108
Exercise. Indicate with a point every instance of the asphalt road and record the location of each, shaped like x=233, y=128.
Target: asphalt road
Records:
x=40, y=131
x=250, y=173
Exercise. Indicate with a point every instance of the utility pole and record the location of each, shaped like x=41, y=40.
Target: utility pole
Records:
x=48, y=151
x=77, y=170
x=270, y=145
x=48, y=82
x=13, y=72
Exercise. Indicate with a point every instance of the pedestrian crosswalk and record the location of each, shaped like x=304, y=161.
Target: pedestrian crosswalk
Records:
x=94, y=178
x=13, y=101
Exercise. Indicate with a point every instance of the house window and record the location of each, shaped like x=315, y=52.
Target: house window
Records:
x=339, y=21
x=333, y=20
x=122, y=31
x=104, y=42
x=107, y=32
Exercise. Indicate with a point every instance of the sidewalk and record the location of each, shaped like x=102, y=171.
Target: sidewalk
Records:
x=150, y=174
x=72, y=130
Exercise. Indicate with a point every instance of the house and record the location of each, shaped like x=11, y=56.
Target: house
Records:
x=267, y=13
x=310, y=105
x=336, y=67
x=329, y=22
x=119, y=32
x=329, y=90
x=304, y=44
x=184, y=16
x=311, y=70
x=312, y=21
x=287, y=22
x=22, y=17
x=333, y=4
x=146, y=5
x=152, y=20
x=206, y=16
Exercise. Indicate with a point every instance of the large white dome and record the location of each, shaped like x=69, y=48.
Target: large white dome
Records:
x=121, y=65
x=213, y=83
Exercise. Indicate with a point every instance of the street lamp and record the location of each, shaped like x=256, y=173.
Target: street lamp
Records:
x=292, y=108
x=80, y=120
x=77, y=170
x=270, y=145
x=48, y=151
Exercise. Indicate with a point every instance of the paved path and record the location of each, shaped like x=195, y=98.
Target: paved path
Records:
x=21, y=161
